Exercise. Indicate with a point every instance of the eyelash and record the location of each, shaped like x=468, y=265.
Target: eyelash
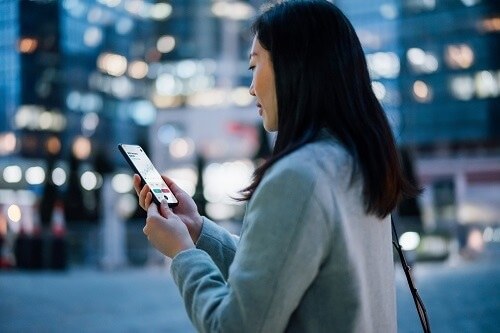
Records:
x=251, y=68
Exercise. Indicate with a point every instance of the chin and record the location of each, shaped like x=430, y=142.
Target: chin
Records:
x=269, y=128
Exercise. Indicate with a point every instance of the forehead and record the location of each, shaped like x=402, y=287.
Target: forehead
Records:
x=256, y=47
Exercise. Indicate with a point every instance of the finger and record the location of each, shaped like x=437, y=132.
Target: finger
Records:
x=164, y=209
x=152, y=211
x=142, y=196
x=137, y=183
x=148, y=200
x=151, y=216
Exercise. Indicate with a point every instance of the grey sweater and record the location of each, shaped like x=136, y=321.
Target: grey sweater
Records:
x=309, y=258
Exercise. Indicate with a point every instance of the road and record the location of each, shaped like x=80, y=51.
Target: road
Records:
x=460, y=297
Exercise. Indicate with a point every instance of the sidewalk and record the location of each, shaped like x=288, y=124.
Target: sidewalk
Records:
x=83, y=300
x=462, y=297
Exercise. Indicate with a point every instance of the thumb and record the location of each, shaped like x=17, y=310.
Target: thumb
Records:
x=164, y=209
x=153, y=209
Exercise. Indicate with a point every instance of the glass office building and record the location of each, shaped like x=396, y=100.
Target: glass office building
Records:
x=450, y=111
x=435, y=68
x=376, y=23
x=28, y=83
x=9, y=65
x=80, y=76
x=107, y=47
x=100, y=72
x=450, y=73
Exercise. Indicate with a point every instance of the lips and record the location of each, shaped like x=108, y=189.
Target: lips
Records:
x=259, y=106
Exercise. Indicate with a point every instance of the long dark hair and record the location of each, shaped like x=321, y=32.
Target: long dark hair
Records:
x=322, y=81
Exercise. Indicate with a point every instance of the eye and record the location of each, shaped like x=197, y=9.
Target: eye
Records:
x=251, y=68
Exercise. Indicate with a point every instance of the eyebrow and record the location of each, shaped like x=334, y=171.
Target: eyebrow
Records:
x=252, y=54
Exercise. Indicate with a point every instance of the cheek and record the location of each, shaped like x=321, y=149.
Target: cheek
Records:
x=267, y=88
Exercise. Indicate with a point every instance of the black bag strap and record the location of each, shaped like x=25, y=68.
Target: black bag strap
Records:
x=419, y=304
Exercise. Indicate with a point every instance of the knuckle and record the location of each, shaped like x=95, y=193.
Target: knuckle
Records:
x=150, y=221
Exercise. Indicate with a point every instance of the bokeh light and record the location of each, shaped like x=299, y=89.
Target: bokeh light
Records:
x=122, y=183
x=53, y=145
x=59, y=176
x=112, y=64
x=28, y=45
x=93, y=37
x=90, y=121
x=35, y=175
x=138, y=69
x=486, y=84
x=89, y=180
x=383, y=65
x=422, y=91
x=12, y=174
x=165, y=44
x=222, y=181
x=234, y=10
x=81, y=148
x=409, y=240
x=126, y=205
x=8, y=142
x=14, y=213
x=161, y=11
x=185, y=178
x=379, y=90
x=459, y=56
x=143, y=112
x=462, y=87
x=181, y=147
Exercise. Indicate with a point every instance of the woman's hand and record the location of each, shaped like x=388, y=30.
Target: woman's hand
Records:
x=186, y=210
x=166, y=231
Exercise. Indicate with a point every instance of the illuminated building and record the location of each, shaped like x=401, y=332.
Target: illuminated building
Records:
x=376, y=24
x=9, y=66
x=450, y=76
x=29, y=89
x=450, y=110
x=435, y=68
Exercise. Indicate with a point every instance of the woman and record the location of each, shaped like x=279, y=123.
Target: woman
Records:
x=315, y=252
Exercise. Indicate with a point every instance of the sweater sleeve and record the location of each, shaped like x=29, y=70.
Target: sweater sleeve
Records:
x=219, y=243
x=279, y=254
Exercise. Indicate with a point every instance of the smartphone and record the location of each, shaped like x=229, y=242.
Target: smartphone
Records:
x=142, y=165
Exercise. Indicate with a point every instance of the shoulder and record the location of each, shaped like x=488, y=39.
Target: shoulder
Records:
x=311, y=176
x=325, y=157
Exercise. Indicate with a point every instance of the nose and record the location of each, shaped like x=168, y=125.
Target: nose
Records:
x=252, y=90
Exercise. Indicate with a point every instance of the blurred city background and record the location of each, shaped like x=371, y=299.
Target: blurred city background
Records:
x=78, y=77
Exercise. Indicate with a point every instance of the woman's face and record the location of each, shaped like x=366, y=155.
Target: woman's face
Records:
x=263, y=85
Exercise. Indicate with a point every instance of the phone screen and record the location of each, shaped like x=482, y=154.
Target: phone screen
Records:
x=142, y=165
